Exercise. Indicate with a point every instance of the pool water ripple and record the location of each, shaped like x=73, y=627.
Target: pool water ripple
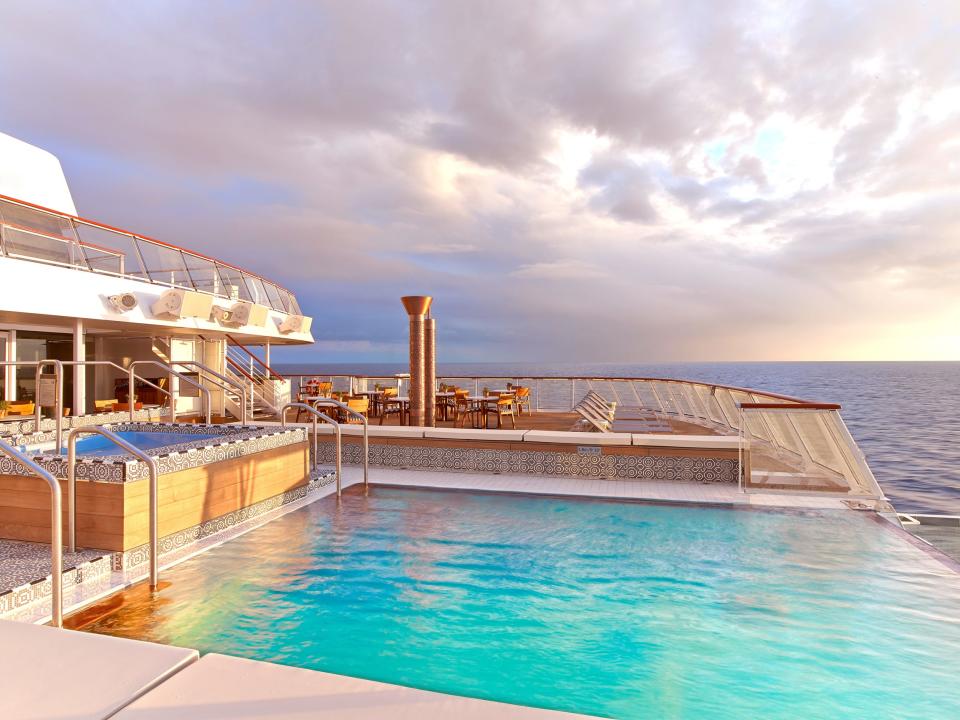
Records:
x=621, y=610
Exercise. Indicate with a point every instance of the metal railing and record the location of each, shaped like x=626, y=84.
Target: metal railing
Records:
x=72, y=490
x=56, y=529
x=330, y=402
x=336, y=428
x=678, y=402
x=33, y=232
x=58, y=401
x=172, y=395
x=258, y=388
x=222, y=381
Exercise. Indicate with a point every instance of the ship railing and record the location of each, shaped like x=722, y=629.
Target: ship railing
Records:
x=799, y=439
x=802, y=447
x=31, y=232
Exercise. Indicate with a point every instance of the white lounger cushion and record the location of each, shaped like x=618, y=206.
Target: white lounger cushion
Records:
x=472, y=434
x=229, y=688
x=53, y=673
x=711, y=442
x=577, y=438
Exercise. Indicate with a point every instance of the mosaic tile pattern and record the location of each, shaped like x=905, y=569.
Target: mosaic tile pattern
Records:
x=141, y=554
x=528, y=462
x=22, y=432
x=97, y=563
x=236, y=441
x=25, y=571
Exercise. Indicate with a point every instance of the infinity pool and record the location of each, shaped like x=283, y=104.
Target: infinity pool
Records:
x=621, y=610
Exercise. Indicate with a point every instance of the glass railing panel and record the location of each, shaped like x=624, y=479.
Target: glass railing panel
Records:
x=109, y=241
x=274, y=298
x=204, y=274
x=292, y=303
x=817, y=441
x=662, y=389
x=709, y=400
x=28, y=218
x=648, y=398
x=103, y=260
x=35, y=245
x=728, y=406
x=233, y=283
x=164, y=264
x=257, y=292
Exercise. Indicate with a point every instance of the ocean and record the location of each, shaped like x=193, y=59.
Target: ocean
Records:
x=904, y=415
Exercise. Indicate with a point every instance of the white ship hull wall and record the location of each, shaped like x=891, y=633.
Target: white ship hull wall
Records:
x=32, y=173
x=40, y=294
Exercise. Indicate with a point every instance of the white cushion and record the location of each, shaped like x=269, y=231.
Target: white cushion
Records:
x=62, y=673
x=712, y=442
x=577, y=438
x=220, y=687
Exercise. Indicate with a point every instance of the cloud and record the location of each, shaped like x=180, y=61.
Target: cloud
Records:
x=740, y=180
x=558, y=270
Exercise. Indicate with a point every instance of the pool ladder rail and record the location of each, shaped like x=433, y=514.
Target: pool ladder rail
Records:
x=56, y=528
x=127, y=447
x=338, y=435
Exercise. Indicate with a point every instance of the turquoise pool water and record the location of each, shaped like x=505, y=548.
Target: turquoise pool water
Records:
x=99, y=445
x=621, y=610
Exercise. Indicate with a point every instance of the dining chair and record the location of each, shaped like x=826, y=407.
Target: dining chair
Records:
x=463, y=407
x=522, y=399
x=358, y=405
x=387, y=407
x=502, y=408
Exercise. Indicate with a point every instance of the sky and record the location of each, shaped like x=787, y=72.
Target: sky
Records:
x=572, y=181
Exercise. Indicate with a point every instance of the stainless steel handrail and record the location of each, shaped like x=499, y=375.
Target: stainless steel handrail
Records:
x=72, y=489
x=58, y=405
x=229, y=382
x=56, y=529
x=336, y=427
x=121, y=368
x=173, y=398
x=330, y=402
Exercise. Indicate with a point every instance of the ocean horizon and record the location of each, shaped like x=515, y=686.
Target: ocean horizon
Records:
x=905, y=415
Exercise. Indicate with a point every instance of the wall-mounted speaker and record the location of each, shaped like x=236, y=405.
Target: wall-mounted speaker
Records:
x=176, y=304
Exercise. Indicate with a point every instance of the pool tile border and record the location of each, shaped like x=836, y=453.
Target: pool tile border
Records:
x=171, y=545
x=236, y=441
x=540, y=462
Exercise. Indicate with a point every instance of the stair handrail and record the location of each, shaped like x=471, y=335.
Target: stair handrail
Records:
x=272, y=372
x=56, y=528
x=330, y=402
x=226, y=382
x=317, y=414
x=173, y=397
x=72, y=489
x=253, y=384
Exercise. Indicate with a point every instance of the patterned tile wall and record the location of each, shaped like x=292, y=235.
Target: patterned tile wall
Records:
x=234, y=441
x=536, y=462
x=118, y=561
